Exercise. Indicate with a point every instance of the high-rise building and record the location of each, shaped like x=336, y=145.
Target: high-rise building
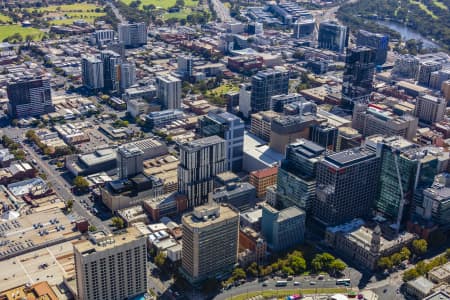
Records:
x=378, y=119
x=430, y=109
x=92, y=73
x=111, y=69
x=333, y=36
x=436, y=201
x=278, y=102
x=133, y=35
x=185, y=65
x=347, y=138
x=169, y=91
x=29, y=97
x=380, y=42
x=324, y=135
x=231, y=129
x=425, y=69
x=358, y=75
x=111, y=267
x=304, y=27
x=438, y=77
x=103, y=37
x=282, y=229
x=200, y=161
x=296, y=183
x=347, y=185
x=210, y=242
x=129, y=160
x=406, y=66
x=262, y=179
x=127, y=75
x=261, y=123
x=266, y=84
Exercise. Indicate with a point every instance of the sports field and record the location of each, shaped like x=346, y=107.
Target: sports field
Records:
x=9, y=30
x=165, y=4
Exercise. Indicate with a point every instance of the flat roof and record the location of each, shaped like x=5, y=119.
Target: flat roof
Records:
x=225, y=213
x=350, y=156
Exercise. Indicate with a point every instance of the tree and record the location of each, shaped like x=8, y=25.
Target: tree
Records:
x=405, y=253
x=297, y=262
x=80, y=183
x=118, y=222
x=30, y=134
x=420, y=247
x=59, y=164
x=239, y=273
x=385, y=263
x=410, y=275
x=253, y=269
x=92, y=228
x=69, y=204
x=447, y=253
x=396, y=259
x=160, y=259
x=337, y=266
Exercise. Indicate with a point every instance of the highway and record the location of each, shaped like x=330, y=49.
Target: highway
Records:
x=223, y=13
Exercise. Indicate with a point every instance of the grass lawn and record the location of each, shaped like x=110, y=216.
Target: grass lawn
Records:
x=165, y=4
x=8, y=30
x=66, y=7
x=223, y=89
x=440, y=5
x=283, y=293
x=177, y=15
x=73, y=16
x=4, y=19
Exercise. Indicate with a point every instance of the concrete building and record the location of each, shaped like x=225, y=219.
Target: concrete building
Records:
x=282, y=229
x=364, y=245
x=258, y=155
x=296, y=182
x=133, y=35
x=100, y=160
x=287, y=129
x=303, y=28
x=210, y=242
x=406, y=66
x=377, y=41
x=29, y=98
x=245, y=93
x=231, y=129
x=347, y=185
x=169, y=91
x=92, y=73
x=439, y=77
x=261, y=123
x=419, y=288
x=127, y=75
x=129, y=160
x=430, y=109
x=266, y=84
x=157, y=119
x=426, y=68
x=261, y=179
x=111, y=267
x=200, y=161
x=185, y=65
x=240, y=195
x=103, y=37
x=347, y=138
x=333, y=36
x=436, y=202
x=379, y=119
x=277, y=102
x=358, y=75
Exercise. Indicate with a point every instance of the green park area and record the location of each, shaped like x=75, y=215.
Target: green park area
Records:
x=4, y=19
x=11, y=30
x=223, y=89
x=164, y=4
x=66, y=14
x=283, y=293
x=182, y=14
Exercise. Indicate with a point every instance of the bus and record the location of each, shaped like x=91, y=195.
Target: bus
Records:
x=344, y=281
x=281, y=283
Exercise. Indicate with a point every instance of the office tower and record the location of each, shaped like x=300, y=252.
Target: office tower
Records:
x=296, y=183
x=92, y=73
x=127, y=75
x=266, y=84
x=436, y=201
x=133, y=35
x=231, y=129
x=405, y=170
x=430, y=109
x=378, y=119
x=29, y=97
x=287, y=129
x=103, y=37
x=200, y=161
x=111, y=72
x=111, y=267
x=425, y=69
x=245, y=94
x=129, y=160
x=282, y=229
x=261, y=123
x=185, y=65
x=333, y=36
x=210, y=242
x=324, y=135
x=169, y=91
x=278, y=102
x=379, y=42
x=439, y=77
x=347, y=185
x=406, y=65
x=358, y=75
x=304, y=27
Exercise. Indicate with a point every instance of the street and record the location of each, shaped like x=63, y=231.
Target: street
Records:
x=223, y=13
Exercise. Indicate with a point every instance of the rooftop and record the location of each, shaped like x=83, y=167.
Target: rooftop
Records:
x=422, y=284
x=349, y=157
x=201, y=143
x=207, y=215
x=272, y=171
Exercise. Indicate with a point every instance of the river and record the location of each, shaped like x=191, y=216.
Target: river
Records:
x=408, y=34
